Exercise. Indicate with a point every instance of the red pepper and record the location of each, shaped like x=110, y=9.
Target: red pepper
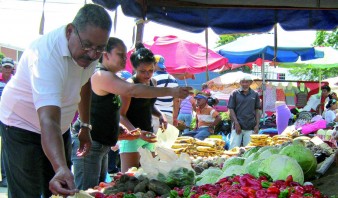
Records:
x=293, y=195
x=299, y=190
x=308, y=188
x=288, y=180
x=273, y=190
x=261, y=193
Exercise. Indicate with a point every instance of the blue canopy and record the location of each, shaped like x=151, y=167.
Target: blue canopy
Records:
x=196, y=16
x=250, y=48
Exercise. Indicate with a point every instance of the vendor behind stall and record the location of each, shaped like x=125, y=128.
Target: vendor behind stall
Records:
x=316, y=102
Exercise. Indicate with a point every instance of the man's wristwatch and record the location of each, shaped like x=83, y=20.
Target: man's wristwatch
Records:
x=86, y=125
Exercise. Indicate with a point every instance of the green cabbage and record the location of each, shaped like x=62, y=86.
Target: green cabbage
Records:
x=250, y=151
x=252, y=167
x=280, y=166
x=233, y=161
x=232, y=170
x=209, y=176
x=304, y=157
x=251, y=158
x=268, y=152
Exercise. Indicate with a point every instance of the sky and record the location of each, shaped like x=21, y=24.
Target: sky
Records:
x=21, y=20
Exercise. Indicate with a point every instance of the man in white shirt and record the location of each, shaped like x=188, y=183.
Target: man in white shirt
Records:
x=40, y=101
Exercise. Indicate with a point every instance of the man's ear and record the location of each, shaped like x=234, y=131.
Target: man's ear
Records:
x=69, y=30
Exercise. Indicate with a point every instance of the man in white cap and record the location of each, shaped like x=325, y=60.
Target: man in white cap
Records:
x=167, y=105
x=244, y=108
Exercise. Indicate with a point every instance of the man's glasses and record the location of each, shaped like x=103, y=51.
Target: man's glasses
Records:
x=98, y=50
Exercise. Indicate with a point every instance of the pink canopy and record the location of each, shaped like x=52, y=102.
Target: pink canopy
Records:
x=183, y=56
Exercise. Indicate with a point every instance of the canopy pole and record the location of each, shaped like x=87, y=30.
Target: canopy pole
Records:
x=42, y=21
x=207, y=53
x=319, y=88
x=263, y=87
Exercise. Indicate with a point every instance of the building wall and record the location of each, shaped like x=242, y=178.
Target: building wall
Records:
x=15, y=54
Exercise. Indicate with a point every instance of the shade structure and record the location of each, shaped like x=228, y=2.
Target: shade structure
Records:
x=226, y=83
x=329, y=60
x=232, y=16
x=250, y=48
x=182, y=56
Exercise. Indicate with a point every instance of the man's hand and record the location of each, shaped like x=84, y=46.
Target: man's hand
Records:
x=85, y=142
x=148, y=136
x=211, y=130
x=238, y=128
x=128, y=135
x=181, y=92
x=256, y=129
x=63, y=183
x=163, y=122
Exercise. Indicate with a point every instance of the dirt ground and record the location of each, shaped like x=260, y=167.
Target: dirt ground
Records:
x=328, y=183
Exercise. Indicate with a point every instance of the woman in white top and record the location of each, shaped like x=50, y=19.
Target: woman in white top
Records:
x=330, y=115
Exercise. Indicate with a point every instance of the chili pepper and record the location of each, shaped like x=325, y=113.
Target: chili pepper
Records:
x=272, y=196
x=273, y=190
x=293, y=195
x=267, y=176
x=266, y=184
x=248, y=190
x=299, y=190
x=284, y=193
x=288, y=180
x=261, y=193
x=308, y=188
x=173, y=194
x=186, y=191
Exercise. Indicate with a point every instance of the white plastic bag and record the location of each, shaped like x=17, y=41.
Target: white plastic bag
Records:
x=167, y=138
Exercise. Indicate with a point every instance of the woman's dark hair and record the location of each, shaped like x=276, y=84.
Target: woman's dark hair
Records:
x=327, y=87
x=331, y=95
x=330, y=103
x=141, y=55
x=113, y=42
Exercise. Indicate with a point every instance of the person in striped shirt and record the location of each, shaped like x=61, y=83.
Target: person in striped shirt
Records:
x=168, y=105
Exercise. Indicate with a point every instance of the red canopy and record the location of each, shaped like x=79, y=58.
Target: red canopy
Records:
x=183, y=56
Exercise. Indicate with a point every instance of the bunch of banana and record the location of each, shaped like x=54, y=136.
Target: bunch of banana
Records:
x=194, y=147
x=259, y=140
x=280, y=139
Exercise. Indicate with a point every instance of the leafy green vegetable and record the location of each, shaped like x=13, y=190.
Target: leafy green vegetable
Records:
x=209, y=176
x=304, y=157
x=250, y=151
x=233, y=161
x=232, y=170
x=280, y=166
x=129, y=196
x=268, y=152
x=252, y=167
x=180, y=177
x=205, y=196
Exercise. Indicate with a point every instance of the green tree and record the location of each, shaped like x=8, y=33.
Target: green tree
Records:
x=2, y=55
x=323, y=38
x=227, y=38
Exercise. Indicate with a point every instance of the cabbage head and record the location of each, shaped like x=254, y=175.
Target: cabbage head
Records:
x=268, y=152
x=304, y=157
x=250, y=151
x=233, y=161
x=209, y=176
x=251, y=158
x=233, y=170
x=252, y=167
x=280, y=166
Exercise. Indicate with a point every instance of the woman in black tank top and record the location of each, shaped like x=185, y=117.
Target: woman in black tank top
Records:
x=137, y=112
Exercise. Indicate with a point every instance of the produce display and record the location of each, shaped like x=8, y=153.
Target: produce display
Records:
x=279, y=170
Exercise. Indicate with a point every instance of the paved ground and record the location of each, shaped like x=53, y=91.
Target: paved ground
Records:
x=3, y=192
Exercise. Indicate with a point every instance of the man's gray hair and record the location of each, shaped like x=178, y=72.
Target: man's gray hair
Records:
x=94, y=15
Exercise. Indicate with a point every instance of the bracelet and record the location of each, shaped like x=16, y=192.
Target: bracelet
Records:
x=86, y=125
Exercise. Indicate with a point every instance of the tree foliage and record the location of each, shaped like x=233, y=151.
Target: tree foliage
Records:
x=227, y=38
x=323, y=38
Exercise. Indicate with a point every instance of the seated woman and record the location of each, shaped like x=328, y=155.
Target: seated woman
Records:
x=330, y=114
